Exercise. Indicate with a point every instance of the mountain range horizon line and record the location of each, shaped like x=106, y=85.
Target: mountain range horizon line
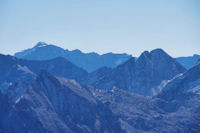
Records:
x=90, y=61
x=42, y=44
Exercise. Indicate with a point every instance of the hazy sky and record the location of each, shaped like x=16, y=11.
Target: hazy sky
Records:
x=120, y=26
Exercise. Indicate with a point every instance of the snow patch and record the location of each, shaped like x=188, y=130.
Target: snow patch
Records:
x=25, y=69
x=196, y=90
x=156, y=90
x=43, y=45
x=18, y=99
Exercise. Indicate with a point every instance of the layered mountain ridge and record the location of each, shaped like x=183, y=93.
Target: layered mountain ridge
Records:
x=151, y=93
x=87, y=61
x=16, y=72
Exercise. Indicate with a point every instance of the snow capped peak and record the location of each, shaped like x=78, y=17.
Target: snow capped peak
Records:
x=40, y=44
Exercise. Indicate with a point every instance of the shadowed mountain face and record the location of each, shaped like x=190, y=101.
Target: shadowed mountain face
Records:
x=188, y=62
x=87, y=61
x=186, y=83
x=58, y=66
x=55, y=104
x=12, y=68
x=13, y=72
x=17, y=73
x=175, y=109
x=142, y=75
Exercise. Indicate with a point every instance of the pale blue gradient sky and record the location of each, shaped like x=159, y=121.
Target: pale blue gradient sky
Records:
x=120, y=26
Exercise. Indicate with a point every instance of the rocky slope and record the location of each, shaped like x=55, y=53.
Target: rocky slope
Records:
x=17, y=73
x=37, y=101
x=175, y=109
x=55, y=104
x=142, y=75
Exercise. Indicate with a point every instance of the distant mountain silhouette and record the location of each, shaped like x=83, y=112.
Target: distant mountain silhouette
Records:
x=188, y=62
x=87, y=61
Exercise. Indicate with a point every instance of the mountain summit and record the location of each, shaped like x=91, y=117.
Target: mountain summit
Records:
x=40, y=44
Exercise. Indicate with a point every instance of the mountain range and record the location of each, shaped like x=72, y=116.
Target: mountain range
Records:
x=46, y=92
x=88, y=61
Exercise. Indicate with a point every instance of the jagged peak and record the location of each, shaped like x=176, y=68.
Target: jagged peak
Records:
x=145, y=55
x=40, y=44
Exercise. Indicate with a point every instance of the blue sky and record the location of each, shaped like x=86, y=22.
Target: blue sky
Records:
x=119, y=26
